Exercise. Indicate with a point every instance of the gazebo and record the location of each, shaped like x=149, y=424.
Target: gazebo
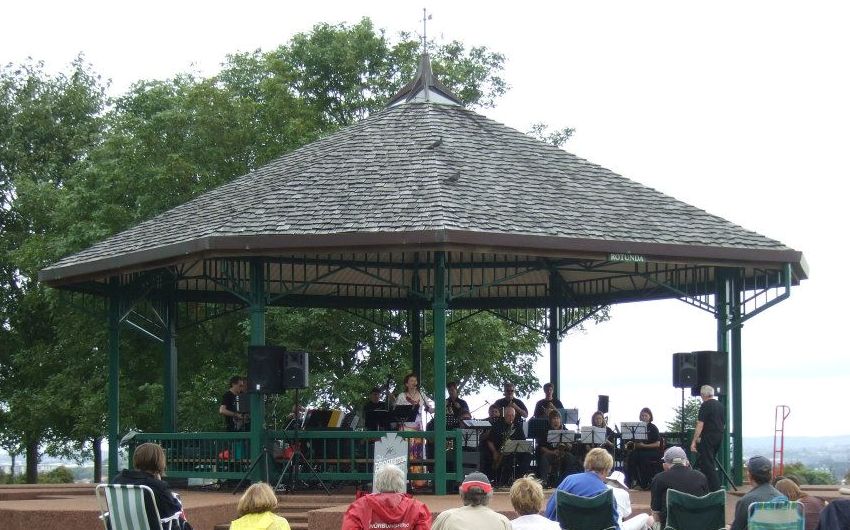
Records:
x=427, y=205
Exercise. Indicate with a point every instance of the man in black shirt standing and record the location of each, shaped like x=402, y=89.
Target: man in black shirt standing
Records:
x=708, y=435
x=509, y=401
x=677, y=475
x=542, y=408
x=234, y=421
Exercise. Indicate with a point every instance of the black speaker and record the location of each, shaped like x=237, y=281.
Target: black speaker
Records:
x=265, y=365
x=295, y=370
x=685, y=369
x=712, y=369
x=602, y=404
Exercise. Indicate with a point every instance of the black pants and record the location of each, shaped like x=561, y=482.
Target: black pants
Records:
x=707, y=452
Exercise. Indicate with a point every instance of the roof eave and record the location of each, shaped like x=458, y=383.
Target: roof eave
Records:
x=440, y=239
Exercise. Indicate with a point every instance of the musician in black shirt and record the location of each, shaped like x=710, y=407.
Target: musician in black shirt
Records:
x=708, y=435
x=542, y=408
x=510, y=428
x=375, y=415
x=455, y=406
x=234, y=421
x=643, y=459
x=509, y=401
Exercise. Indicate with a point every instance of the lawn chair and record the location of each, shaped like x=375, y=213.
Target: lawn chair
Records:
x=778, y=515
x=122, y=507
x=688, y=512
x=585, y=513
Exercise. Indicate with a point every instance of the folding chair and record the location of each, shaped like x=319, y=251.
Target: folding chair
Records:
x=777, y=515
x=585, y=513
x=122, y=507
x=689, y=512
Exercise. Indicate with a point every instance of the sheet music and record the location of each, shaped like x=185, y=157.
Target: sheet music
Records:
x=566, y=435
x=569, y=416
x=593, y=435
x=479, y=424
x=516, y=446
x=633, y=430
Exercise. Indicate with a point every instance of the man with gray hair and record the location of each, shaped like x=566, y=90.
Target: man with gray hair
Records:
x=677, y=475
x=390, y=507
x=708, y=435
x=759, y=471
x=476, y=492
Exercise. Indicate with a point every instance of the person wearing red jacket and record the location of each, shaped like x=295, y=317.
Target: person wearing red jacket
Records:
x=391, y=507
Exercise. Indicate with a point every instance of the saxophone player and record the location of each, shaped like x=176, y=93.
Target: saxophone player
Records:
x=555, y=457
x=510, y=428
x=510, y=401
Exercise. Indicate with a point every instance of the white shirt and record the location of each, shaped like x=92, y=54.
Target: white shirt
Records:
x=534, y=522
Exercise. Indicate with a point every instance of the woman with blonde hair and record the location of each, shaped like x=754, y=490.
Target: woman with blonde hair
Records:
x=256, y=510
x=527, y=500
x=812, y=506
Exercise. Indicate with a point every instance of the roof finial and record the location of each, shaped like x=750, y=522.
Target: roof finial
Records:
x=425, y=18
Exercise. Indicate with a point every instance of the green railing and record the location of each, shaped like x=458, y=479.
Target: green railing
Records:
x=336, y=456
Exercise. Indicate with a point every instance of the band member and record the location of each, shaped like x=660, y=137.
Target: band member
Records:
x=455, y=406
x=234, y=421
x=555, y=456
x=708, y=435
x=643, y=460
x=375, y=412
x=548, y=403
x=416, y=446
x=505, y=464
x=485, y=455
x=598, y=420
x=509, y=401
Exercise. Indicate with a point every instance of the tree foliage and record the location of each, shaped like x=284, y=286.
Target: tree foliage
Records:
x=77, y=166
x=807, y=475
x=691, y=411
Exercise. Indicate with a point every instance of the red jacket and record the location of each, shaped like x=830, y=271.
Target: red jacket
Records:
x=386, y=511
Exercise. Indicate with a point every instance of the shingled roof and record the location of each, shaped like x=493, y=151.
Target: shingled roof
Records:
x=428, y=175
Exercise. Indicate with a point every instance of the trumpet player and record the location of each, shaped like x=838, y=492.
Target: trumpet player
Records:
x=510, y=401
x=548, y=403
x=643, y=456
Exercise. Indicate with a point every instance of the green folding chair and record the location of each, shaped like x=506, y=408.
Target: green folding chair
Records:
x=689, y=512
x=585, y=513
x=777, y=515
x=122, y=506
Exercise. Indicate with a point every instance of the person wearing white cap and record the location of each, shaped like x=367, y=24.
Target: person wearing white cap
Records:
x=616, y=481
x=677, y=475
x=476, y=492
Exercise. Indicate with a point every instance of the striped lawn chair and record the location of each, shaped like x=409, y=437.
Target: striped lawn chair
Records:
x=122, y=506
x=777, y=515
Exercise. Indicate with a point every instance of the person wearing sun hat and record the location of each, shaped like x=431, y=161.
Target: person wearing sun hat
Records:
x=476, y=492
x=616, y=481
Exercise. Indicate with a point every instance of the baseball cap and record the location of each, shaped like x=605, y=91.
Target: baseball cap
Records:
x=759, y=465
x=476, y=480
x=675, y=455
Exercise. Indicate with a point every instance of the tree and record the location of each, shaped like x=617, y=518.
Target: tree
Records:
x=691, y=411
x=807, y=475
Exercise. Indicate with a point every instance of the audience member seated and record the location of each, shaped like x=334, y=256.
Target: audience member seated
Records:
x=759, y=471
x=256, y=510
x=677, y=475
x=597, y=465
x=390, y=507
x=812, y=506
x=475, y=492
x=527, y=500
x=149, y=464
x=616, y=481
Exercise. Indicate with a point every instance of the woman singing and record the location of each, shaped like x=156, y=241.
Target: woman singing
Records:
x=420, y=401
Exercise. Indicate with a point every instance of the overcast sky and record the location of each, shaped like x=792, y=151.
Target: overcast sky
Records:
x=739, y=108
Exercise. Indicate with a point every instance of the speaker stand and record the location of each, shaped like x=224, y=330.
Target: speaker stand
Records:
x=297, y=459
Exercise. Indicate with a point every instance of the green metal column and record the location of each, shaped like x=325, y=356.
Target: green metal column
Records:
x=169, y=375
x=721, y=293
x=114, y=321
x=554, y=351
x=737, y=471
x=258, y=338
x=416, y=343
x=439, y=306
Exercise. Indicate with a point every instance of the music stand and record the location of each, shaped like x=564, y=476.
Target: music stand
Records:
x=634, y=430
x=405, y=413
x=298, y=458
x=569, y=416
x=513, y=448
x=594, y=435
